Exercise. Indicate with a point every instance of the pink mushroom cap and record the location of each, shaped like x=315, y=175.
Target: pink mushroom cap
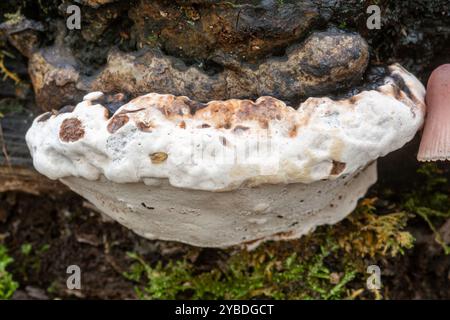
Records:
x=435, y=143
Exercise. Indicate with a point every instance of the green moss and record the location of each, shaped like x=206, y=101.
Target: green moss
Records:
x=13, y=18
x=430, y=199
x=370, y=234
x=26, y=248
x=343, y=25
x=152, y=40
x=328, y=264
x=7, y=285
x=31, y=260
x=10, y=105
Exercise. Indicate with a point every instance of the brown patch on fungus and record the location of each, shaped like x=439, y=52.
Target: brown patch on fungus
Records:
x=264, y=124
x=397, y=92
x=225, y=113
x=293, y=131
x=217, y=114
x=145, y=126
x=175, y=106
x=71, y=130
x=264, y=109
x=158, y=157
x=117, y=122
x=194, y=106
x=353, y=99
x=106, y=113
x=400, y=85
x=223, y=141
x=239, y=129
x=337, y=168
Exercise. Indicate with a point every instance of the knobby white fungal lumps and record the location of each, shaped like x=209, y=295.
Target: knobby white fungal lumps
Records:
x=275, y=171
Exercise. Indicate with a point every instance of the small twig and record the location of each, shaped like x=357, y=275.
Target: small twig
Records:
x=8, y=74
x=437, y=235
x=109, y=258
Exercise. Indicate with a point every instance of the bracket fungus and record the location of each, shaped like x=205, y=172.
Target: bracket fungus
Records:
x=228, y=172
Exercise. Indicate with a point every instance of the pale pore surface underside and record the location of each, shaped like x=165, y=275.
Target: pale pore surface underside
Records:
x=208, y=219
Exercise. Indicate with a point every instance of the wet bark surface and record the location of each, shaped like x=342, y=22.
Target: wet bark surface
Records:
x=205, y=49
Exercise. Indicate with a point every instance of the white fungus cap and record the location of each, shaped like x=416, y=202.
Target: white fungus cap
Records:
x=224, y=145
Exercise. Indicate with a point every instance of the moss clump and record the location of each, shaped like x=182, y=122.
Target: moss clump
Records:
x=328, y=264
x=30, y=259
x=431, y=199
x=258, y=274
x=152, y=40
x=370, y=234
x=13, y=18
x=7, y=285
